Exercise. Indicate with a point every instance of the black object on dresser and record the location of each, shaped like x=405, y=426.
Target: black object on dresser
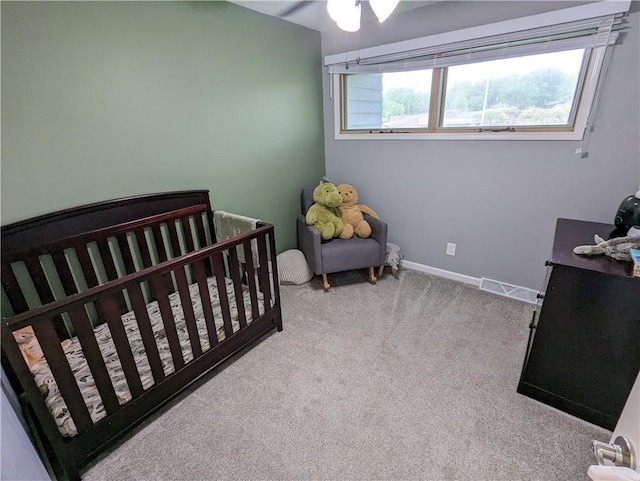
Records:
x=583, y=353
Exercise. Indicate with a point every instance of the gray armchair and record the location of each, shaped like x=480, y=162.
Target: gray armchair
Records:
x=337, y=255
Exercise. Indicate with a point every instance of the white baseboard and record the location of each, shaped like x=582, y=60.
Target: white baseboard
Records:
x=474, y=281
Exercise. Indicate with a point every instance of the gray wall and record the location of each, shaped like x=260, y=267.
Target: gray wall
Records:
x=498, y=201
x=109, y=99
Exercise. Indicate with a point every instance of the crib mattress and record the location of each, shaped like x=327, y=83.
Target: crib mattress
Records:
x=47, y=384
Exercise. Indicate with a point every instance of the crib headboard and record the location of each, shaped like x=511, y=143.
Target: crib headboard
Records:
x=26, y=242
x=56, y=226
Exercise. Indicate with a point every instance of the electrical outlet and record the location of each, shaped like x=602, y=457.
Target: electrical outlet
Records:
x=451, y=249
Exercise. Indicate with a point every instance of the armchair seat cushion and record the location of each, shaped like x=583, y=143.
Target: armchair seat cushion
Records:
x=344, y=255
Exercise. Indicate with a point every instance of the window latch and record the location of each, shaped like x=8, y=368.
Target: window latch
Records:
x=391, y=131
x=506, y=129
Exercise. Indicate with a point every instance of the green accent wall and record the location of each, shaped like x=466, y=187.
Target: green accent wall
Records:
x=109, y=99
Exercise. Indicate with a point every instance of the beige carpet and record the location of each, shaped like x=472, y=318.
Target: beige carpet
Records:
x=413, y=378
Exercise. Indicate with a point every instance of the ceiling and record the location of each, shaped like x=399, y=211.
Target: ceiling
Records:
x=313, y=13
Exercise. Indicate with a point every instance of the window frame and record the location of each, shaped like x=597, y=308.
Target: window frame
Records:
x=585, y=92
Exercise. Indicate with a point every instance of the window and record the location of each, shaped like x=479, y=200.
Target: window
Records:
x=538, y=83
x=533, y=92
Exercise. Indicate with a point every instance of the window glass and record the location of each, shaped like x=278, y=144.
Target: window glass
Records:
x=536, y=90
x=406, y=99
x=364, y=101
x=390, y=100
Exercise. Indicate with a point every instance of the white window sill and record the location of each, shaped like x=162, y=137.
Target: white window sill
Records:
x=465, y=136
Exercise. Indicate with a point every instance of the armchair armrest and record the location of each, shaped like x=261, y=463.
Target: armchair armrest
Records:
x=309, y=243
x=379, y=233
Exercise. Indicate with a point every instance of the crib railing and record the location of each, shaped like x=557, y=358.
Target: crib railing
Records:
x=46, y=273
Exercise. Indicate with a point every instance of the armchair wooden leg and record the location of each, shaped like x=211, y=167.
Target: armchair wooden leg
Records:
x=372, y=277
x=325, y=282
x=381, y=270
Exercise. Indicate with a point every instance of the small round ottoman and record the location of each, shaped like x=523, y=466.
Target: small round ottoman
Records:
x=293, y=267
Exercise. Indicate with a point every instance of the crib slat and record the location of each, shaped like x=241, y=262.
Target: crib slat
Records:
x=251, y=279
x=186, y=228
x=146, y=331
x=86, y=265
x=50, y=344
x=218, y=269
x=44, y=291
x=207, y=310
x=173, y=236
x=187, y=310
x=161, y=248
x=263, y=270
x=125, y=250
x=12, y=289
x=202, y=237
x=39, y=279
x=91, y=350
x=144, y=248
x=110, y=269
x=112, y=313
x=90, y=276
x=64, y=272
x=159, y=243
x=158, y=286
x=107, y=259
x=237, y=286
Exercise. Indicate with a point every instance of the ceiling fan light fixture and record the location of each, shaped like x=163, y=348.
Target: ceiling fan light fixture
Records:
x=333, y=8
x=383, y=8
x=350, y=20
x=346, y=14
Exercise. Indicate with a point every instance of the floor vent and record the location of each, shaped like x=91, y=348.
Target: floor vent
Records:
x=508, y=290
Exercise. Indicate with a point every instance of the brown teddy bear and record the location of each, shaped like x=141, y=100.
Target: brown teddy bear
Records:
x=351, y=213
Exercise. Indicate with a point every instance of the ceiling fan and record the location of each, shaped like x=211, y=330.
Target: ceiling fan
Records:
x=346, y=13
x=296, y=6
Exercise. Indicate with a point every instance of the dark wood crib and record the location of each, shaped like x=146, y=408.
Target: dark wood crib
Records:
x=118, y=306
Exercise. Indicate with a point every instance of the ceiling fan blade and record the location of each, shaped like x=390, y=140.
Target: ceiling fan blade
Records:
x=294, y=8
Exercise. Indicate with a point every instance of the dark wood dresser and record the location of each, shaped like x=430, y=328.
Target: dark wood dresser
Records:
x=583, y=353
